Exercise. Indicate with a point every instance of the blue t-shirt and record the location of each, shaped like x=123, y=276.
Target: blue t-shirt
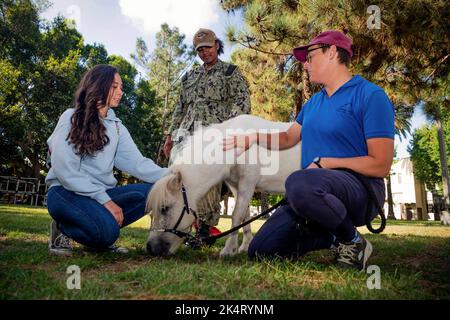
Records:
x=338, y=126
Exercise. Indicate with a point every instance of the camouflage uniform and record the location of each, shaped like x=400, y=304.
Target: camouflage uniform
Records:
x=211, y=96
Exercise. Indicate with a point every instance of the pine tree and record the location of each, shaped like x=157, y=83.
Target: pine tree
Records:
x=164, y=67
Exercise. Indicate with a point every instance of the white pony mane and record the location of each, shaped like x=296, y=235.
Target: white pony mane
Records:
x=158, y=195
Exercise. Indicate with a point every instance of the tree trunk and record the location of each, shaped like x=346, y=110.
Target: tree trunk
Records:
x=444, y=164
x=160, y=143
x=225, y=202
x=307, y=91
x=436, y=205
x=264, y=201
x=302, y=96
x=391, y=214
x=166, y=106
x=36, y=164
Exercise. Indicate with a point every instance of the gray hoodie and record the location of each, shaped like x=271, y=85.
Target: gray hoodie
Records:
x=91, y=176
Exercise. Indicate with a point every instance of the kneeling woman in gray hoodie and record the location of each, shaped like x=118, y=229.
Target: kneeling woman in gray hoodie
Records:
x=87, y=143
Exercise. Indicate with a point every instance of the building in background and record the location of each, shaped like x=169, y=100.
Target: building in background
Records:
x=408, y=194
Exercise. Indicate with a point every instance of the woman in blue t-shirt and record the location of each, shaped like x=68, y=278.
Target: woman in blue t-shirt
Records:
x=348, y=124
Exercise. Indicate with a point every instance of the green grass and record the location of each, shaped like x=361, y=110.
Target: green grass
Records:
x=414, y=258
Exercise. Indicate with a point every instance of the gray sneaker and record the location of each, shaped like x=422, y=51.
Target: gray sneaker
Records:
x=112, y=248
x=59, y=243
x=354, y=254
x=116, y=249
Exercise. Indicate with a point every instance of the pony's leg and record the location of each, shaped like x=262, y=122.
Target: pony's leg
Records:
x=248, y=236
x=243, y=197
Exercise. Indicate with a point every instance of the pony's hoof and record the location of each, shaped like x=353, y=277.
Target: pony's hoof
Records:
x=243, y=249
x=227, y=253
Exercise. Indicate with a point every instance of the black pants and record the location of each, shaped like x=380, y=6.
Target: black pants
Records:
x=332, y=201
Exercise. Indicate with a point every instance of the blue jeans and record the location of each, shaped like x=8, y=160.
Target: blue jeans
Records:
x=88, y=222
x=333, y=201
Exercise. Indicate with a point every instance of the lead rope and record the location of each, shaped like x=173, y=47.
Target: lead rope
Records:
x=211, y=239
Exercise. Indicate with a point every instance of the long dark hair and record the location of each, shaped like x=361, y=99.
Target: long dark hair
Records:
x=88, y=134
x=221, y=47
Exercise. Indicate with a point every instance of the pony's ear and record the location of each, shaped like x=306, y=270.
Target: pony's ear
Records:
x=174, y=183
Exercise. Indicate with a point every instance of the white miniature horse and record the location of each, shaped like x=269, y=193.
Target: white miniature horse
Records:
x=201, y=164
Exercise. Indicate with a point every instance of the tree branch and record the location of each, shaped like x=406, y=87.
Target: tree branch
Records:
x=437, y=67
x=249, y=46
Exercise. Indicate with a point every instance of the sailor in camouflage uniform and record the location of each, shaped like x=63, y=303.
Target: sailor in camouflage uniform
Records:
x=211, y=93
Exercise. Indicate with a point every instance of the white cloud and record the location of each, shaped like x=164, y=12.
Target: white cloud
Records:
x=187, y=15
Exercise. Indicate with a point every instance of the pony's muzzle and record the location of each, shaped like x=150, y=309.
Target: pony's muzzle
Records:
x=158, y=248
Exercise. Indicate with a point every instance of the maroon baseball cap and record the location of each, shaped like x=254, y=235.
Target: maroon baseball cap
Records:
x=330, y=37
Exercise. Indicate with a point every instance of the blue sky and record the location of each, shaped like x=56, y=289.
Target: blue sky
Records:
x=418, y=120
x=118, y=23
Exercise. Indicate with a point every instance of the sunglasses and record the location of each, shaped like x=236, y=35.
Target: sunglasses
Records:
x=308, y=57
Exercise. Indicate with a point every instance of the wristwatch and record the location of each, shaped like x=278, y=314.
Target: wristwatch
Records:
x=316, y=160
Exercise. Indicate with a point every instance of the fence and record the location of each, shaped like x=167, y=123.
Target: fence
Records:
x=17, y=190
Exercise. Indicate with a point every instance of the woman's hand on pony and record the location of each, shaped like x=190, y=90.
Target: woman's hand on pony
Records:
x=239, y=142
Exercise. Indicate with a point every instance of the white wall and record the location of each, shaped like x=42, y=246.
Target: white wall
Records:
x=402, y=184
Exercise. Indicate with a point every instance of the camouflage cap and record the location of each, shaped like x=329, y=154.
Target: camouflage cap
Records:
x=204, y=38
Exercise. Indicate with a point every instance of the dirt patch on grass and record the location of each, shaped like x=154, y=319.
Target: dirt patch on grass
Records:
x=431, y=258
x=433, y=264
x=118, y=266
